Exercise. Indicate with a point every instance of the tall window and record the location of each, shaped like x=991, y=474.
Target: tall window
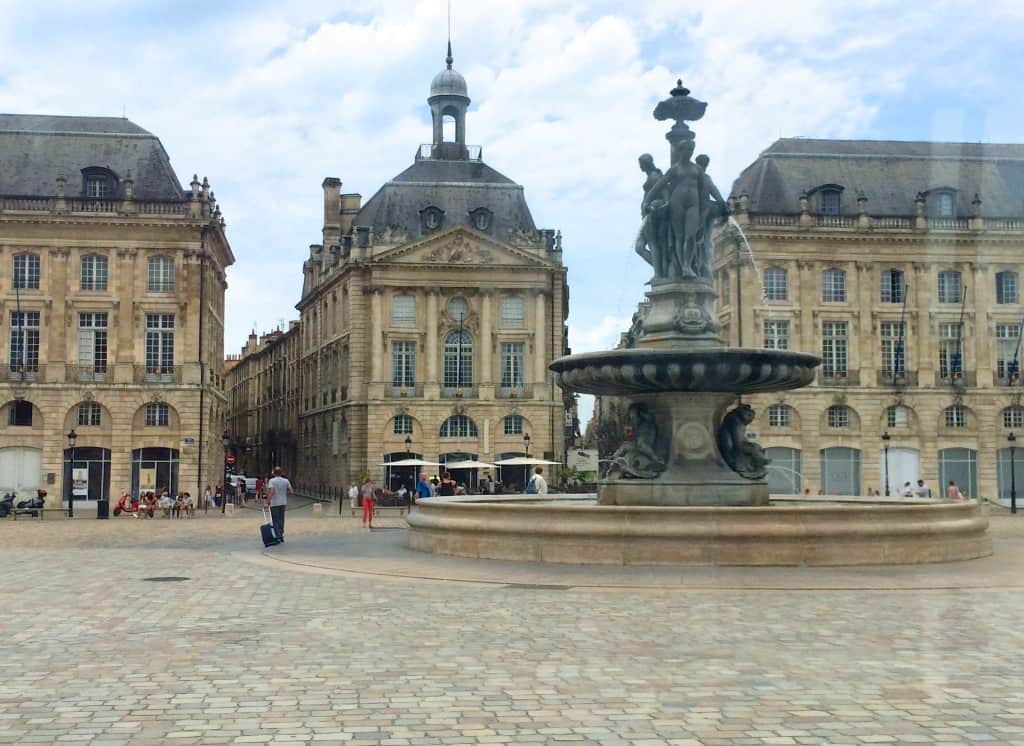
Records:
x=951, y=362
x=1006, y=287
x=513, y=424
x=97, y=187
x=159, y=343
x=956, y=416
x=512, y=365
x=894, y=359
x=833, y=348
x=403, y=424
x=944, y=205
x=838, y=416
x=26, y=271
x=1013, y=417
x=403, y=310
x=458, y=360
x=779, y=415
x=833, y=286
x=92, y=342
x=458, y=426
x=829, y=202
x=161, y=274
x=403, y=364
x=949, y=286
x=897, y=416
x=512, y=314
x=158, y=414
x=25, y=341
x=776, y=335
x=89, y=414
x=94, y=272
x=19, y=413
x=775, y=284
x=1007, y=358
x=892, y=286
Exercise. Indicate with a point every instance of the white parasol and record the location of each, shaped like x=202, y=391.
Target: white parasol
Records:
x=524, y=461
x=468, y=465
x=411, y=462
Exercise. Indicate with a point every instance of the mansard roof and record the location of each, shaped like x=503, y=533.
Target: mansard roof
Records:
x=889, y=173
x=36, y=149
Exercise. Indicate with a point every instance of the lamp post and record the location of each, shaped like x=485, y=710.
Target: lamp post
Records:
x=408, y=453
x=225, y=440
x=1013, y=476
x=885, y=442
x=72, y=437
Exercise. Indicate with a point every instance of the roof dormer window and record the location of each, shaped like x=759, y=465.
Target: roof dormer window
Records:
x=944, y=205
x=98, y=183
x=828, y=202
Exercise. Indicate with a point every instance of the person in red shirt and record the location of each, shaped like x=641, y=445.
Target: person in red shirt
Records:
x=368, y=497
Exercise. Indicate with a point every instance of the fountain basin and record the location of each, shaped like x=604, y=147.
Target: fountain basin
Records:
x=733, y=370
x=566, y=530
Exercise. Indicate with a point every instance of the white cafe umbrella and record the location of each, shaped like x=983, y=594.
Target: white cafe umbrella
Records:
x=468, y=465
x=410, y=462
x=524, y=461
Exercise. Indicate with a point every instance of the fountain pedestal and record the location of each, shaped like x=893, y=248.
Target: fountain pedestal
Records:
x=695, y=471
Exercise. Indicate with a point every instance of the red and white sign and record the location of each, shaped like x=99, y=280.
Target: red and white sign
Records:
x=230, y=458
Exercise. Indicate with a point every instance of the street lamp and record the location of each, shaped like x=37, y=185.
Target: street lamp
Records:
x=526, y=442
x=225, y=440
x=412, y=485
x=885, y=442
x=1013, y=476
x=72, y=437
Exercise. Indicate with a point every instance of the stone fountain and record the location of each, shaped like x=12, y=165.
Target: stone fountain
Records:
x=684, y=445
x=687, y=487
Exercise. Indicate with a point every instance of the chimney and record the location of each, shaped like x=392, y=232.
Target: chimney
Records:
x=332, y=210
x=350, y=206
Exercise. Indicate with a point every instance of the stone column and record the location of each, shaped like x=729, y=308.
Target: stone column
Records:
x=59, y=328
x=125, y=326
x=981, y=350
x=869, y=345
x=486, y=379
x=539, y=339
x=377, y=338
x=927, y=349
x=805, y=298
x=432, y=389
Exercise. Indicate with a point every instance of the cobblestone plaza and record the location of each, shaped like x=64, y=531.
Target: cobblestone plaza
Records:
x=344, y=636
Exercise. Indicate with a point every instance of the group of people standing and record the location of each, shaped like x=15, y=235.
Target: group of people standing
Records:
x=953, y=492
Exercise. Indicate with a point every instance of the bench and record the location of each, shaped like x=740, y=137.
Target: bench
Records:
x=36, y=512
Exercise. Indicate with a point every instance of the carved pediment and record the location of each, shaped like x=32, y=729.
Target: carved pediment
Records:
x=461, y=246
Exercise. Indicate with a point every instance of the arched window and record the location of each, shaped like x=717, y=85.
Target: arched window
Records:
x=94, y=272
x=19, y=413
x=458, y=426
x=944, y=205
x=89, y=414
x=775, y=285
x=833, y=286
x=403, y=424
x=458, y=360
x=897, y=416
x=828, y=201
x=98, y=183
x=949, y=286
x=513, y=424
x=838, y=416
x=403, y=310
x=780, y=415
x=512, y=314
x=956, y=416
x=1013, y=417
x=160, y=277
x=26, y=271
x=158, y=414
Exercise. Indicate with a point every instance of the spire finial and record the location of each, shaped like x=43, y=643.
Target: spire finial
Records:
x=449, y=59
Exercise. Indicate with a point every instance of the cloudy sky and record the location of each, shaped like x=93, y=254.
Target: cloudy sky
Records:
x=267, y=98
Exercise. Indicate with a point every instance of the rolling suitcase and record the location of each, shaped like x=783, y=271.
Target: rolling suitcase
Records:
x=270, y=537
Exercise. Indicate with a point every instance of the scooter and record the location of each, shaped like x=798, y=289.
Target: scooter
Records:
x=36, y=503
x=6, y=505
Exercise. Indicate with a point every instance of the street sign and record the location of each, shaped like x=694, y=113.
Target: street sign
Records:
x=230, y=458
x=188, y=441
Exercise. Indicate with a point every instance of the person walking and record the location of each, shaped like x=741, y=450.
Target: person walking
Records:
x=447, y=486
x=537, y=485
x=953, y=492
x=278, y=491
x=422, y=487
x=368, y=498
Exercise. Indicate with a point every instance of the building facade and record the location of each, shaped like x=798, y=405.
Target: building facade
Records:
x=263, y=403
x=112, y=292
x=428, y=317
x=899, y=263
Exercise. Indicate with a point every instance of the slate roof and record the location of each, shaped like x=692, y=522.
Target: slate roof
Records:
x=35, y=149
x=455, y=186
x=890, y=173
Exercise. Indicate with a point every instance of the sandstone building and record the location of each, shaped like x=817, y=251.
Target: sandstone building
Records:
x=428, y=317
x=112, y=302
x=899, y=263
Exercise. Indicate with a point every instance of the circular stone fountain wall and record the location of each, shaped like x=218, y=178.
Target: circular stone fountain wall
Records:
x=855, y=532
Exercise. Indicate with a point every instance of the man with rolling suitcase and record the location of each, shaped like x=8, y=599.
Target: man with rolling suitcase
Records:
x=278, y=490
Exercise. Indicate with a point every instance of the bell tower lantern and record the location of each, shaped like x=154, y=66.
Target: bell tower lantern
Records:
x=449, y=101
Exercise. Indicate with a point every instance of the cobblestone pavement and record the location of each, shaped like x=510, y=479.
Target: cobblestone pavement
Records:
x=253, y=650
